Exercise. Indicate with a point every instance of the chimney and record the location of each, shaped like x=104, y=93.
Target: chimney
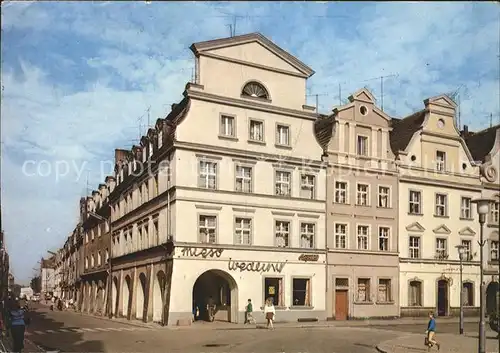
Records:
x=173, y=106
x=120, y=155
x=465, y=131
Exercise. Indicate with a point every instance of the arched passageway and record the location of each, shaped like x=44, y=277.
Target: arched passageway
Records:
x=114, y=297
x=140, y=303
x=221, y=288
x=158, y=296
x=126, y=295
x=100, y=298
x=492, y=297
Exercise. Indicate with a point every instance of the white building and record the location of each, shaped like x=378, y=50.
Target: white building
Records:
x=245, y=204
x=438, y=180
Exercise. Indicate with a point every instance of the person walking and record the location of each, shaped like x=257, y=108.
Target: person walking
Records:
x=270, y=313
x=249, y=313
x=18, y=321
x=431, y=333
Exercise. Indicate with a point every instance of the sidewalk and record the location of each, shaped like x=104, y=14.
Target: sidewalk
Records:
x=6, y=345
x=450, y=343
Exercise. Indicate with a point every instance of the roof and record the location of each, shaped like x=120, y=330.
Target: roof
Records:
x=199, y=47
x=323, y=130
x=403, y=130
x=481, y=143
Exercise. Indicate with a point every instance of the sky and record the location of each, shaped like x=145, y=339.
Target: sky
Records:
x=78, y=79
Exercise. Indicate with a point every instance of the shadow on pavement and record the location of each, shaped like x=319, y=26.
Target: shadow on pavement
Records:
x=61, y=341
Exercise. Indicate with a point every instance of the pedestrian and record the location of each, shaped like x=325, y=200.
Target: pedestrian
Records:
x=249, y=313
x=18, y=322
x=431, y=333
x=270, y=313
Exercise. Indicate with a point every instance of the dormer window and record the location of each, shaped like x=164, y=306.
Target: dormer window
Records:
x=255, y=90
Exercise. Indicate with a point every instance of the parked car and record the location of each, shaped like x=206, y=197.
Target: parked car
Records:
x=35, y=298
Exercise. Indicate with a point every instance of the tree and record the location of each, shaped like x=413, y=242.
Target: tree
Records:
x=36, y=284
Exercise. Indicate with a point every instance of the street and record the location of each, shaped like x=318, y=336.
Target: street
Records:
x=73, y=332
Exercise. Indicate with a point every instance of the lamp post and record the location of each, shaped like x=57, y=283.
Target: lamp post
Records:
x=483, y=208
x=461, y=249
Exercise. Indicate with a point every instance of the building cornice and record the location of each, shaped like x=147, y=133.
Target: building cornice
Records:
x=446, y=184
x=247, y=104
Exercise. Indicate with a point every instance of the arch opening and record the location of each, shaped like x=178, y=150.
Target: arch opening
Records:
x=126, y=297
x=158, y=296
x=492, y=297
x=114, y=297
x=443, y=297
x=220, y=289
x=140, y=303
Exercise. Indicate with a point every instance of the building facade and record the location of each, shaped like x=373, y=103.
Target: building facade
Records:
x=362, y=214
x=236, y=183
x=47, y=275
x=438, y=179
x=485, y=148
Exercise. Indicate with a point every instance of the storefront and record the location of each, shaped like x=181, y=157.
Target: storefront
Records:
x=294, y=280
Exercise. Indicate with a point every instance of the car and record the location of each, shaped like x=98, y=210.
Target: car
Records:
x=35, y=298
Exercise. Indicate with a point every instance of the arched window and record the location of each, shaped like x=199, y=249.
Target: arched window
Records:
x=468, y=296
x=415, y=293
x=255, y=90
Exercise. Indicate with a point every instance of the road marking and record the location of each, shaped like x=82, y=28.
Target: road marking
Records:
x=88, y=329
x=50, y=331
x=64, y=330
x=38, y=332
x=102, y=329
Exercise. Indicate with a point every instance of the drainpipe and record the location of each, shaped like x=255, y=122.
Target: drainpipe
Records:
x=164, y=316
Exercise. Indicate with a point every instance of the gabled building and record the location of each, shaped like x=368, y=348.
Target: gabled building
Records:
x=234, y=178
x=485, y=148
x=438, y=179
x=362, y=212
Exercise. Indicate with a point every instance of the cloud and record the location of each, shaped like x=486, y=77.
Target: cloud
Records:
x=77, y=79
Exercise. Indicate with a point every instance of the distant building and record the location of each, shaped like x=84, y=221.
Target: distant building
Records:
x=47, y=275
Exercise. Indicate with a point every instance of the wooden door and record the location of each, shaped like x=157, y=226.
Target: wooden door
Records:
x=341, y=305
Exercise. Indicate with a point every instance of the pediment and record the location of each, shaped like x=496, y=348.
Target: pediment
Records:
x=442, y=229
x=467, y=231
x=254, y=48
x=415, y=227
x=441, y=99
x=364, y=95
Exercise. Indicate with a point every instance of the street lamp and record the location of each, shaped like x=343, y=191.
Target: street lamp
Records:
x=483, y=208
x=461, y=250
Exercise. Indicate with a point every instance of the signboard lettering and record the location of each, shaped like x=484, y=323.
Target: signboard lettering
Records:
x=255, y=266
x=202, y=252
x=309, y=257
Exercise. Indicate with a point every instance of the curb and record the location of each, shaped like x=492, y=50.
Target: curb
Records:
x=380, y=350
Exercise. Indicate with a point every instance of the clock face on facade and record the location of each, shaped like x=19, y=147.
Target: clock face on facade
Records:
x=440, y=123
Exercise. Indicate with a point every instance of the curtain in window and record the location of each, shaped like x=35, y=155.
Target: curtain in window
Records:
x=307, y=296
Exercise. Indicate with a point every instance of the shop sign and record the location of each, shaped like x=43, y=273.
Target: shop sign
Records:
x=255, y=266
x=309, y=257
x=202, y=252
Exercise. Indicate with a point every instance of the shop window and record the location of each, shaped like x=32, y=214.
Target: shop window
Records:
x=273, y=288
x=301, y=292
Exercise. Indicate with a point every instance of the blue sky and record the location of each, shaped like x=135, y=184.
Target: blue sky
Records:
x=77, y=77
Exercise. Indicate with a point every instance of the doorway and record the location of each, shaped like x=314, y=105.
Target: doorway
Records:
x=222, y=288
x=492, y=297
x=341, y=305
x=442, y=297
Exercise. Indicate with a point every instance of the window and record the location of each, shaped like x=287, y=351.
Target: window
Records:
x=415, y=202
x=86, y=262
x=465, y=209
x=140, y=244
x=362, y=195
x=139, y=196
x=441, y=249
x=440, y=161
x=282, y=234
x=243, y=178
x=107, y=256
x=256, y=130
x=441, y=205
x=243, y=231
x=467, y=255
x=208, y=175
x=227, y=126
x=340, y=236
x=307, y=186
x=146, y=234
x=283, y=135
x=301, y=292
x=155, y=186
x=468, y=294
x=340, y=192
x=383, y=239
x=414, y=247
x=362, y=145
x=494, y=250
x=255, y=90
x=156, y=233
x=364, y=290
x=207, y=228
x=384, y=290
x=307, y=232
x=384, y=196
x=415, y=293
x=363, y=237
x=160, y=138
x=495, y=212
x=283, y=183
x=99, y=258
x=145, y=192
x=92, y=260
x=273, y=289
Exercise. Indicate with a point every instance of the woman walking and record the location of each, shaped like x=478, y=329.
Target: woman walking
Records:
x=270, y=313
x=18, y=321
